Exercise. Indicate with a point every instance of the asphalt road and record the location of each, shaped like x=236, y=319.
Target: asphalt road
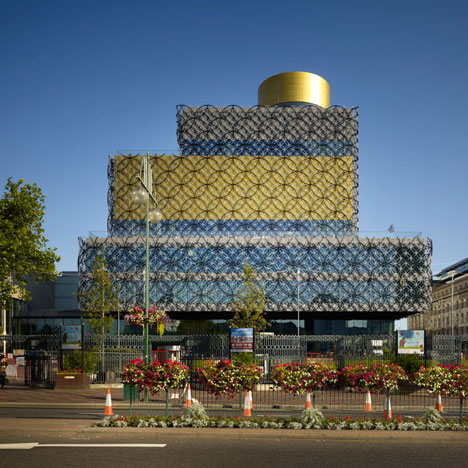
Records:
x=97, y=413
x=206, y=449
x=94, y=414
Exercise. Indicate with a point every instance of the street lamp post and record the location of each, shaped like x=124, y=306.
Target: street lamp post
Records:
x=298, y=303
x=146, y=194
x=453, y=318
x=298, y=314
x=4, y=324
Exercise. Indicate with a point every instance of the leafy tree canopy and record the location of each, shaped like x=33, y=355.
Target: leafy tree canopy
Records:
x=249, y=304
x=23, y=247
x=101, y=298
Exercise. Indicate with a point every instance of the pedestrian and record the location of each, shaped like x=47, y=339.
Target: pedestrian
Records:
x=3, y=367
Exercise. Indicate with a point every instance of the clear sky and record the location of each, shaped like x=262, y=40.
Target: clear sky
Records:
x=81, y=80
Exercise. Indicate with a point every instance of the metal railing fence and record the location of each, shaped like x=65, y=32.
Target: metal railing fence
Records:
x=408, y=401
x=112, y=352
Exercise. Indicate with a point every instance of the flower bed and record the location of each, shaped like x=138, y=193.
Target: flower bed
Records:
x=444, y=379
x=71, y=378
x=377, y=378
x=332, y=423
x=69, y=371
x=224, y=378
x=156, y=376
x=305, y=377
x=156, y=318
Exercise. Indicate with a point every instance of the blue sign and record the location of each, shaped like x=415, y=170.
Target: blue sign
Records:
x=71, y=336
x=242, y=340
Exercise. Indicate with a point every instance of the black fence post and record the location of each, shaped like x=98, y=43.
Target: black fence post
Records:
x=82, y=348
x=60, y=348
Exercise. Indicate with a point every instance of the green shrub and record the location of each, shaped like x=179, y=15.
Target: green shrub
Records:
x=74, y=360
x=409, y=362
x=195, y=411
x=431, y=415
x=239, y=359
x=311, y=416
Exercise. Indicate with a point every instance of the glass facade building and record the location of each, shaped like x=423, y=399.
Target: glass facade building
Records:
x=274, y=186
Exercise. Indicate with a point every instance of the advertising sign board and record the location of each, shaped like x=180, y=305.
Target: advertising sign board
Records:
x=242, y=340
x=410, y=342
x=71, y=336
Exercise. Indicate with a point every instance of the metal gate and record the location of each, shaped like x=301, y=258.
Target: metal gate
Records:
x=42, y=359
x=365, y=348
x=41, y=367
x=447, y=349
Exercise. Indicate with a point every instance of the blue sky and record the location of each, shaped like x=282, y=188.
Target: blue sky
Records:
x=83, y=79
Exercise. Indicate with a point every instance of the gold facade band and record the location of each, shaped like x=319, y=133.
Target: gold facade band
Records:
x=294, y=87
x=241, y=187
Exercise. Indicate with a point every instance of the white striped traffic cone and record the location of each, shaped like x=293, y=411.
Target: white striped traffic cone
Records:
x=387, y=414
x=251, y=399
x=108, y=408
x=368, y=404
x=247, y=412
x=188, y=398
x=438, y=405
x=308, y=403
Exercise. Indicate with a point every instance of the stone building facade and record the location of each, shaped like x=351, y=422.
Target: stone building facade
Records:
x=449, y=310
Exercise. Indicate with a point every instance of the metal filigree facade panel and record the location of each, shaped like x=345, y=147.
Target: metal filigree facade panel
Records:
x=234, y=226
x=240, y=187
x=205, y=273
x=320, y=130
x=267, y=147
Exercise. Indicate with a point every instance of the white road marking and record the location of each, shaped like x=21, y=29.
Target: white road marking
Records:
x=23, y=446
x=101, y=445
x=28, y=446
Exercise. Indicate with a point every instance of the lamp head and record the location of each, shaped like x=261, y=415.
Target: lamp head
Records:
x=155, y=215
x=139, y=195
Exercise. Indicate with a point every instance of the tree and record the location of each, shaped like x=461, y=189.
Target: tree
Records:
x=99, y=301
x=101, y=298
x=249, y=304
x=23, y=247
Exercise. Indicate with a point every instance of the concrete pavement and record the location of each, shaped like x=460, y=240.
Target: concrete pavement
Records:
x=18, y=394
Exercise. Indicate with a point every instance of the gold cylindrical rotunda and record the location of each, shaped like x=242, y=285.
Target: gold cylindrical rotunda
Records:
x=294, y=87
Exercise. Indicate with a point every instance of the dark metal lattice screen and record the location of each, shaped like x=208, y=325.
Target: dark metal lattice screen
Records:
x=336, y=274
x=275, y=187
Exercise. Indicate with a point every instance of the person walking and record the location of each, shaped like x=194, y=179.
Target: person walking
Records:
x=3, y=367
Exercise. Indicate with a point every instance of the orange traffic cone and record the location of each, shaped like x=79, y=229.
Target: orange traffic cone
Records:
x=247, y=412
x=250, y=399
x=387, y=414
x=188, y=398
x=368, y=404
x=439, y=406
x=308, y=403
x=108, y=409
